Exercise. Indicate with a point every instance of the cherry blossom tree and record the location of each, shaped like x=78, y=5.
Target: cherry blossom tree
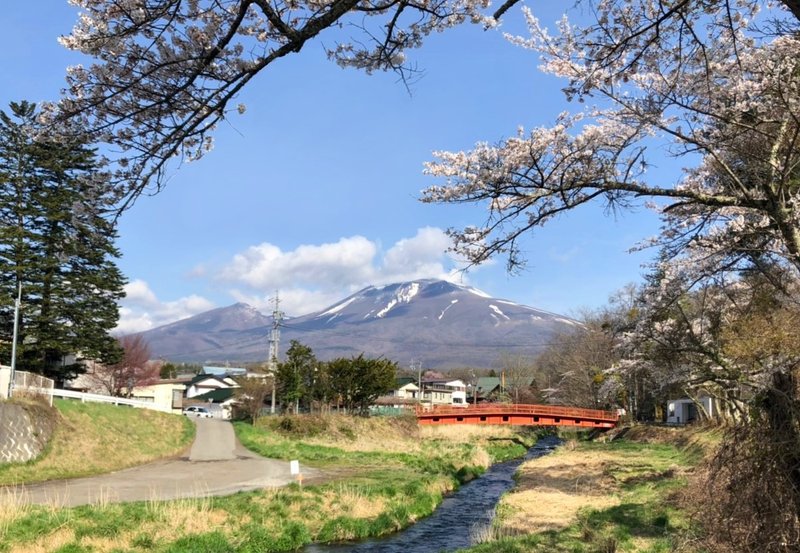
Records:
x=132, y=370
x=697, y=83
x=168, y=71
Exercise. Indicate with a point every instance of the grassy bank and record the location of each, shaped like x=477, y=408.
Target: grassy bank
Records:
x=594, y=497
x=93, y=438
x=381, y=475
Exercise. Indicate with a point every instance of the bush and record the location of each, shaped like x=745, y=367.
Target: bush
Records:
x=746, y=500
x=302, y=425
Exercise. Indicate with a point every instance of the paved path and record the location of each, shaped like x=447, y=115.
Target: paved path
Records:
x=216, y=465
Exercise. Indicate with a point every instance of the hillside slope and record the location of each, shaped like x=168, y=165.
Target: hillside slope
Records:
x=437, y=323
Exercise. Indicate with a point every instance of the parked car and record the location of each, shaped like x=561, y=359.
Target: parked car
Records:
x=196, y=411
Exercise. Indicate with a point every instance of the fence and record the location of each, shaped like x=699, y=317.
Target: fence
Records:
x=98, y=398
x=26, y=384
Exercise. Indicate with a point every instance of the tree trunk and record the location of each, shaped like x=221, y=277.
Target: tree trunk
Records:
x=781, y=407
x=793, y=6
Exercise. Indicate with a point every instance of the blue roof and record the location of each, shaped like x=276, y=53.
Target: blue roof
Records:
x=223, y=371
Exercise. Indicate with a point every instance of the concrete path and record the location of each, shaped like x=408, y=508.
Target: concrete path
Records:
x=216, y=465
x=215, y=440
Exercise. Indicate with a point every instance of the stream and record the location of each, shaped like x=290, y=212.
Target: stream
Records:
x=458, y=519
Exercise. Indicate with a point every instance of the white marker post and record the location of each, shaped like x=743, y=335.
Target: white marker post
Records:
x=294, y=469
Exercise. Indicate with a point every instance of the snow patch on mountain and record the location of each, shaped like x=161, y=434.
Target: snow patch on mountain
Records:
x=339, y=306
x=567, y=321
x=477, y=292
x=403, y=295
x=452, y=303
x=499, y=312
x=406, y=294
x=386, y=309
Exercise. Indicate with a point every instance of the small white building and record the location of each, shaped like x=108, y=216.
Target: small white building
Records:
x=406, y=389
x=686, y=410
x=165, y=393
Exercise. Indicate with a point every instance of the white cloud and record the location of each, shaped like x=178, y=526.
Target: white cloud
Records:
x=138, y=292
x=294, y=301
x=142, y=310
x=311, y=277
x=422, y=256
x=266, y=266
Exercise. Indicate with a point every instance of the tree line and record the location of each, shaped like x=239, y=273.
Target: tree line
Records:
x=305, y=384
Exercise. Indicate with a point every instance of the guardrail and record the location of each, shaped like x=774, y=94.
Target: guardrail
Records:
x=99, y=398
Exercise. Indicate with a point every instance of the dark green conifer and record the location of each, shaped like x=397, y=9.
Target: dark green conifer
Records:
x=57, y=243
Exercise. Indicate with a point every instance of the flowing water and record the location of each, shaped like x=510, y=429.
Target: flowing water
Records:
x=457, y=522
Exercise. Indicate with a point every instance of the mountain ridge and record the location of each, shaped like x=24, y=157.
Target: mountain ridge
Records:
x=443, y=324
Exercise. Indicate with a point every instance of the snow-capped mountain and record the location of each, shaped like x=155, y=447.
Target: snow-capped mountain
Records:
x=439, y=323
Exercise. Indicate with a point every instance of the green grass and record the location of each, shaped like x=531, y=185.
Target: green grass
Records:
x=371, y=493
x=647, y=519
x=94, y=438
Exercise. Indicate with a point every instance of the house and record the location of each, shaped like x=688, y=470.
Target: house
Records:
x=166, y=393
x=404, y=396
x=486, y=389
x=406, y=388
x=686, y=410
x=203, y=383
x=437, y=391
x=219, y=402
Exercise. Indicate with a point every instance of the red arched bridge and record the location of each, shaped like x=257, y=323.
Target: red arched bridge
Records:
x=517, y=414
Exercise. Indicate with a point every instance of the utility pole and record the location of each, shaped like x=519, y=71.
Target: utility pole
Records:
x=14, y=340
x=274, y=343
x=417, y=365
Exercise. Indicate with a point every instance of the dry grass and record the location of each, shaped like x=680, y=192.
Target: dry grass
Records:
x=350, y=501
x=465, y=433
x=46, y=544
x=564, y=482
x=14, y=505
x=188, y=516
x=184, y=516
x=368, y=434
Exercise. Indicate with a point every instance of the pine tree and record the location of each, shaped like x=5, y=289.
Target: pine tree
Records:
x=55, y=243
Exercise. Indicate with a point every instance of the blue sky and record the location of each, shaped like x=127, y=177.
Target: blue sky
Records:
x=313, y=191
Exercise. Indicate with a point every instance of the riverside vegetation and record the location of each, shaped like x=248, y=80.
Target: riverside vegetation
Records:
x=381, y=475
x=384, y=474
x=634, y=494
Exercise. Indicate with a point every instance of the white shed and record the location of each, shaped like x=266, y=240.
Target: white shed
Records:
x=685, y=410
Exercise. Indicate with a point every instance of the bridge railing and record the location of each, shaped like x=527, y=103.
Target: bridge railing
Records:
x=518, y=409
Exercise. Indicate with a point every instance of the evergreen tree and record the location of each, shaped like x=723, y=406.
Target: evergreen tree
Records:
x=56, y=244
x=358, y=381
x=295, y=375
